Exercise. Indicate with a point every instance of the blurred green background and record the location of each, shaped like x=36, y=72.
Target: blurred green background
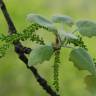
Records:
x=15, y=78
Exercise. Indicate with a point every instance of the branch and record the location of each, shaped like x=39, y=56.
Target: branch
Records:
x=21, y=50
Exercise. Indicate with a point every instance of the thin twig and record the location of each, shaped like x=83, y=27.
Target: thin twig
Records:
x=20, y=51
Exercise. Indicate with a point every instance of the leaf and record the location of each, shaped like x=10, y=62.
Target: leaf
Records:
x=35, y=18
x=86, y=28
x=90, y=81
x=82, y=60
x=63, y=19
x=67, y=35
x=40, y=54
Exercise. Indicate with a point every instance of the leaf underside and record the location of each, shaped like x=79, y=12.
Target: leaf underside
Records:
x=35, y=18
x=63, y=19
x=66, y=35
x=86, y=28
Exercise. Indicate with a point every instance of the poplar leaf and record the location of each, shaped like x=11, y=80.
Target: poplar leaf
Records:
x=82, y=60
x=35, y=18
x=63, y=19
x=86, y=28
x=40, y=54
x=66, y=35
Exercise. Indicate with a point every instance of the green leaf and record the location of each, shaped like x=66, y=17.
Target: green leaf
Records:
x=86, y=28
x=90, y=81
x=35, y=18
x=66, y=35
x=63, y=19
x=82, y=60
x=40, y=54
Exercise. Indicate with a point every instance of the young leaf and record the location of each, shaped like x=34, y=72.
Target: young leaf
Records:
x=82, y=60
x=86, y=28
x=66, y=35
x=63, y=19
x=90, y=81
x=40, y=54
x=35, y=18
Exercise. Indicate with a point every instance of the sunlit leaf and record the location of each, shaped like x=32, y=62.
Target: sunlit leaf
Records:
x=40, y=54
x=86, y=28
x=35, y=18
x=90, y=81
x=82, y=60
x=63, y=19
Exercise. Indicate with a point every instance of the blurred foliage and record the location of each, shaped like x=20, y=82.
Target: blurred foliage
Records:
x=15, y=79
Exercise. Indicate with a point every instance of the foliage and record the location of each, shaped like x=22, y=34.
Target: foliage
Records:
x=82, y=60
x=86, y=28
x=79, y=53
x=40, y=54
x=63, y=19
